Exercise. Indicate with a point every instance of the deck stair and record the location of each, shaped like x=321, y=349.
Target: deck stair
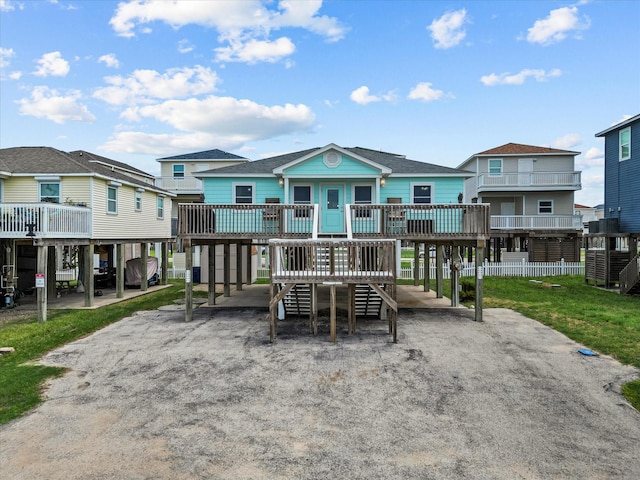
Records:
x=368, y=302
x=297, y=302
x=630, y=277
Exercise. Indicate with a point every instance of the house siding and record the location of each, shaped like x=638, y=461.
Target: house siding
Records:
x=445, y=190
x=347, y=167
x=621, y=181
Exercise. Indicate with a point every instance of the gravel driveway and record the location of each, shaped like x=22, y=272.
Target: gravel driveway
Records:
x=152, y=397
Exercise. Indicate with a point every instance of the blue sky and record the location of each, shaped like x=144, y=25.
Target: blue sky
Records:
x=434, y=80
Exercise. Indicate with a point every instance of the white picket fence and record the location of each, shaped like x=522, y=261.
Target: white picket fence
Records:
x=496, y=269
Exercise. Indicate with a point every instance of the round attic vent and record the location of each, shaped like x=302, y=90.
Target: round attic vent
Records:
x=332, y=159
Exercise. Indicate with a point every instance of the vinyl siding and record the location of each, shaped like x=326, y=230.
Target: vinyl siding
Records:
x=445, y=190
x=347, y=167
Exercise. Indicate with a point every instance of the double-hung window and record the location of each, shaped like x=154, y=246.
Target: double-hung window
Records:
x=49, y=192
x=362, y=195
x=243, y=193
x=178, y=171
x=545, y=206
x=112, y=199
x=160, y=207
x=302, y=196
x=138, y=201
x=495, y=166
x=625, y=144
x=421, y=193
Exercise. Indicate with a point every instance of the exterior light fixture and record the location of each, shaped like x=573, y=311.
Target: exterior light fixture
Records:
x=281, y=182
x=382, y=182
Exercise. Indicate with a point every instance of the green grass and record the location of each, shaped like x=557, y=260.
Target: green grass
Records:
x=603, y=321
x=21, y=381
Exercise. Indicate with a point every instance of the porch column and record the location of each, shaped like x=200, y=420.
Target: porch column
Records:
x=88, y=274
x=188, y=285
x=119, y=270
x=439, y=262
x=416, y=264
x=41, y=265
x=144, y=258
x=239, y=266
x=480, y=246
x=455, y=276
x=164, y=253
x=212, y=274
x=227, y=269
x=426, y=263
x=51, y=273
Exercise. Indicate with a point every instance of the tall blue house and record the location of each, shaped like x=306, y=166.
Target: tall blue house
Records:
x=622, y=173
x=332, y=216
x=612, y=253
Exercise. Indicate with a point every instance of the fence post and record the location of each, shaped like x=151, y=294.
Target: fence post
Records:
x=562, y=270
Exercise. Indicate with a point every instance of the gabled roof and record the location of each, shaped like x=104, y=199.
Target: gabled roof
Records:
x=520, y=149
x=617, y=126
x=214, y=154
x=92, y=157
x=34, y=161
x=397, y=164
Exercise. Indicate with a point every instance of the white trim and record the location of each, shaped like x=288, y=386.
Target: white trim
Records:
x=243, y=184
x=137, y=195
x=620, y=157
x=545, y=213
x=499, y=159
x=47, y=179
x=115, y=188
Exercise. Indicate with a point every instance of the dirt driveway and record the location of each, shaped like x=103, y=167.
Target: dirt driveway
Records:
x=152, y=397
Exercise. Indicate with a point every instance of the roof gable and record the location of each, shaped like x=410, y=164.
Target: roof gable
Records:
x=521, y=149
x=617, y=126
x=214, y=154
x=317, y=156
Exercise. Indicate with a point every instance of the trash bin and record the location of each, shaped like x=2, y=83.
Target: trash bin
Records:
x=196, y=274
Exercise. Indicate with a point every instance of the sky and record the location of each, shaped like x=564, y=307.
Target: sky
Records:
x=437, y=81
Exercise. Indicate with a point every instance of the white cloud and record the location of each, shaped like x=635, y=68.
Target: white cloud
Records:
x=361, y=95
x=109, y=60
x=7, y=6
x=222, y=121
x=567, y=142
x=248, y=22
x=60, y=108
x=448, y=30
x=5, y=55
x=423, y=91
x=185, y=46
x=557, y=26
x=594, y=157
x=142, y=86
x=254, y=51
x=519, y=78
x=53, y=64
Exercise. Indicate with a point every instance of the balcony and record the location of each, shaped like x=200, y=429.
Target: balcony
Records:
x=44, y=220
x=536, y=222
x=529, y=181
x=186, y=185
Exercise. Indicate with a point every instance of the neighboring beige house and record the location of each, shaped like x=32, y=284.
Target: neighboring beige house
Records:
x=51, y=201
x=531, y=192
x=589, y=214
x=178, y=173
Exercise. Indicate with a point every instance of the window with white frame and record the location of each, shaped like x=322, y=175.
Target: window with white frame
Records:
x=160, y=207
x=421, y=193
x=112, y=199
x=243, y=193
x=495, y=166
x=302, y=196
x=49, y=192
x=545, y=206
x=138, y=201
x=178, y=171
x=363, y=195
x=625, y=143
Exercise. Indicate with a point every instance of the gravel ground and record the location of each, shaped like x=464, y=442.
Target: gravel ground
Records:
x=153, y=397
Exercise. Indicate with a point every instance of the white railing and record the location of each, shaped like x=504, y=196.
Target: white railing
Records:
x=44, y=220
x=186, y=184
x=536, y=222
x=530, y=179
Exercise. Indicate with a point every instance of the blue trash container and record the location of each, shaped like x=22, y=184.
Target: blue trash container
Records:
x=196, y=274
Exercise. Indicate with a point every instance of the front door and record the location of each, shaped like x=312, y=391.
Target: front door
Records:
x=332, y=209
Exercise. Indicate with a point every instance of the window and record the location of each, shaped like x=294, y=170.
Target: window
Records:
x=495, y=166
x=545, y=206
x=625, y=144
x=362, y=195
x=50, y=192
x=160, y=209
x=421, y=193
x=302, y=196
x=112, y=199
x=138, y=201
x=178, y=171
x=243, y=193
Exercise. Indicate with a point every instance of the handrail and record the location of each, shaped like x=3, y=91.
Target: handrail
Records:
x=630, y=275
x=530, y=179
x=529, y=222
x=44, y=220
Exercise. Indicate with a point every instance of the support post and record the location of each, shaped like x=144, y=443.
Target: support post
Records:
x=120, y=270
x=480, y=246
x=248, y=278
x=212, y=274
x=332, y=315
x=227, y=269
x=164, y=249
x=239, y=266
x=188, y=284
x=439, y=279
x=426, y=263
x=41, y=265
x=455, y=276
x=89, y=285
x=416, y=264
x=144, y=258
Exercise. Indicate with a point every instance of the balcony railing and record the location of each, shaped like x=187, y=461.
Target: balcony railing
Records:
x=251, y=221
x=178, y=185
x=536, y=222
x=333, y=260
x=419, y=221
x=538, y=180
x=44, y=220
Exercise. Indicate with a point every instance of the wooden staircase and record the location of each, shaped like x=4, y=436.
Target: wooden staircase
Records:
x=630, y=277
x=297, y=301
x=368, y=302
